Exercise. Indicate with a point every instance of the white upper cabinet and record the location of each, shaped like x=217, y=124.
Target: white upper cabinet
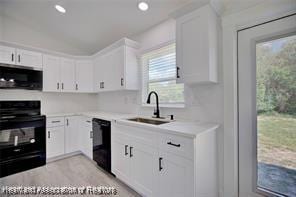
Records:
x=84, y=76
x=67, y=75
x=10, y=55
x=51, y=73
x=7, y=55
x=197, y=46
x=116, y=67
x=29, y=58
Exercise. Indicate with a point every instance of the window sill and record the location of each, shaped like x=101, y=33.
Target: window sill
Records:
x=177, y=105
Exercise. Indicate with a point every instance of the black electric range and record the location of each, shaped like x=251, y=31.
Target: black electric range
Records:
x=22, y=136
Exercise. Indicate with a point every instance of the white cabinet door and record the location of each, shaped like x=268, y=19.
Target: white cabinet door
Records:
x=55, y=142
x=51, y=74
x=84, y=76
x=7, y=55
x=71, y=134
x=197, y=44
x=114, y=69
x=67, y=75
x=176, y=176
x=120, y=157
x=145, y=168
x=29, y=58
x=99, y=73
x=86, y=135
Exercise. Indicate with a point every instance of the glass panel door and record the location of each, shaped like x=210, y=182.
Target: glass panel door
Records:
x=267, y=109
x=276, y=115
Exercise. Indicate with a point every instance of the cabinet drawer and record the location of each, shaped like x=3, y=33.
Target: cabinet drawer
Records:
x=177, y=145
x=143, y=136
x=55, y=122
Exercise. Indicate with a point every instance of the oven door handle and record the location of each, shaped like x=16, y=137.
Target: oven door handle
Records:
x=26, y=120
x=21, y=158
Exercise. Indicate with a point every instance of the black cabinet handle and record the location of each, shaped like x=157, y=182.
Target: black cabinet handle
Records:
x=12, y=57
x=121, y=81
x=67, y=122
x=159, y=163
x=172, y=144
x=19, y=58
x=62, y=86
x=88, y=121
x=58, y=86
x=76, y=86
x=48, y=134
x=55, y=121
x=131, y=154
x=103, y=85
x=125, y=147
x=178, y=68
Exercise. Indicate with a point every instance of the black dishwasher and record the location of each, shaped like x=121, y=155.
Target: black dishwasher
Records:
x=102, y=143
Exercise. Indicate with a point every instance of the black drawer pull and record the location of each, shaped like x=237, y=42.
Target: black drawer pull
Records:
x=56, y=121
x=125, y=151
x=159, y=163
x=131, y=154
x=178, y=76
x=172, y=144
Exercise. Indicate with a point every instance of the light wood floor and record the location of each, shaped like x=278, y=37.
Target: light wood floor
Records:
x=74, y=171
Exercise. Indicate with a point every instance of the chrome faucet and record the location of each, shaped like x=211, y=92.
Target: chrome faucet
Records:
x=156, y=111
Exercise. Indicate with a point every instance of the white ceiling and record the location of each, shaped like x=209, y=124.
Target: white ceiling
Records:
x=91, y=25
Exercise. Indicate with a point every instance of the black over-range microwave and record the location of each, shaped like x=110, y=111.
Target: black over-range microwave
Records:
x=20, y=77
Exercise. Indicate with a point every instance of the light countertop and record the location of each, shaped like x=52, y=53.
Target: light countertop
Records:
x=109, y=116
x=189, y=129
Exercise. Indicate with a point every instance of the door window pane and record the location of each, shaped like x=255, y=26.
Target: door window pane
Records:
x=276, y=120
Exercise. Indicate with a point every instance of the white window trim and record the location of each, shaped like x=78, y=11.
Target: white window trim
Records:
x=145, y=86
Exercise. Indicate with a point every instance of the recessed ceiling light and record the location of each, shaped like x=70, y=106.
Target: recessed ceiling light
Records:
x=143, y=6
x=60, y=9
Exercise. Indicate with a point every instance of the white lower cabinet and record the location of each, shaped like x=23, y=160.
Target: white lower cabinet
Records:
x=120, y=157
x=86, y=135
x=71, y=134
x=134, y=163
x=68, y=134
x=144, y=168
x=156, y=164
x=176, y=177
x=55, y=144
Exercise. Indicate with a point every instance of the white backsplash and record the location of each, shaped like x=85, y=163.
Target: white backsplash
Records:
x=54, y=102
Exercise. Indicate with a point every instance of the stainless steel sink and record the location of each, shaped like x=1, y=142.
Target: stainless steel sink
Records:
x=148, y=121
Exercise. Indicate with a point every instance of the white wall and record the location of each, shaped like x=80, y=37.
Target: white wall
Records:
x=203, y=102
x=156, y=35
x=16, y=32
x=1, y=27
x=52, y=103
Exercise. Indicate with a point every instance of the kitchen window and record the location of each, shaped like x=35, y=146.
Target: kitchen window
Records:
x=159, y=75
